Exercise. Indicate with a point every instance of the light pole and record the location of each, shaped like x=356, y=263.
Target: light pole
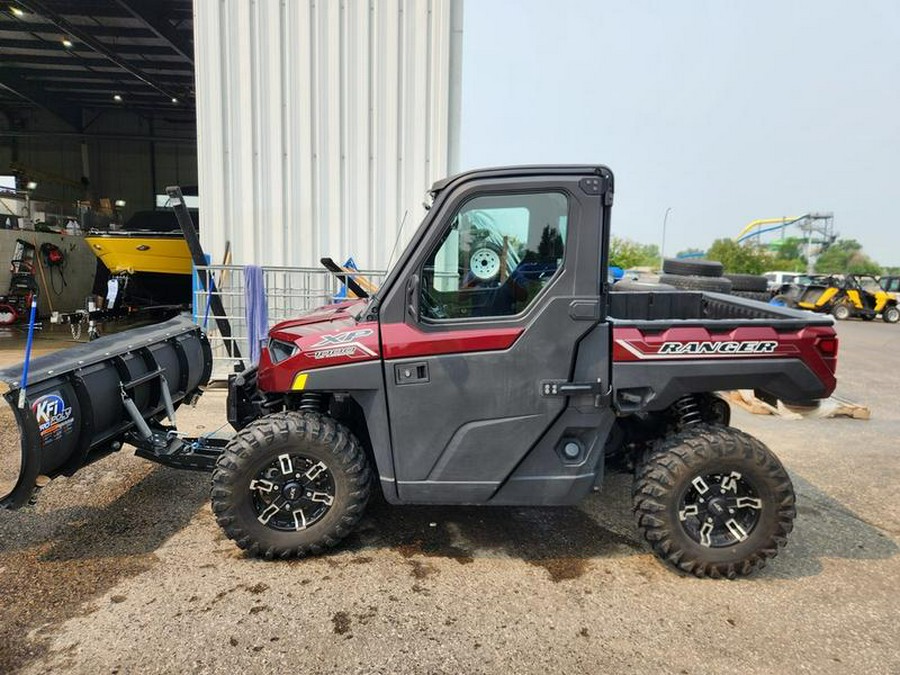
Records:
x=662, y=248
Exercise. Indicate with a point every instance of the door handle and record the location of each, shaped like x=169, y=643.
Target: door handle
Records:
x=411, y=373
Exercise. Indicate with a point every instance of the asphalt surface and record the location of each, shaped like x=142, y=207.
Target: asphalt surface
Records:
x=123, y=569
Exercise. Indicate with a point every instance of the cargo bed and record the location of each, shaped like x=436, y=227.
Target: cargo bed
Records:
x=653, y=310
x=669, y=344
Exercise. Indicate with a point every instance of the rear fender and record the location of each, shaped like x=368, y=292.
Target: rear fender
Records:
x=792, y=366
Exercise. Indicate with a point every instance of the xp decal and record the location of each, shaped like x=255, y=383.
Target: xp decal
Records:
x=53, y=416
x=342, y=345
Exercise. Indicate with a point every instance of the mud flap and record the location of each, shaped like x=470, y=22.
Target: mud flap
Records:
x=77, y=405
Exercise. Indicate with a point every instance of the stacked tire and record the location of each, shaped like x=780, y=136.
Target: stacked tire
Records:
x=695, y=275
x=751, y=286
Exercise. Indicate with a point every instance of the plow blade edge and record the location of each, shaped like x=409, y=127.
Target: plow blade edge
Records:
x=81, y=402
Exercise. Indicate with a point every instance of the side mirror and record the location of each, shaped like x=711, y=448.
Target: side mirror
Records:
x=412, y=296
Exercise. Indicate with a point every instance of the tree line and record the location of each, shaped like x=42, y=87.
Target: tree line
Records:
x=843, y=256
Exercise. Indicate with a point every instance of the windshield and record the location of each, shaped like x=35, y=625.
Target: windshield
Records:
x=869, y=284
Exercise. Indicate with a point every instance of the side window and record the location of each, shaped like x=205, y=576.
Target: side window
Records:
x=495, y=256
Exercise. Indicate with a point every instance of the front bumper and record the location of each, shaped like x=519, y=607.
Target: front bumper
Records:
x=244, y=398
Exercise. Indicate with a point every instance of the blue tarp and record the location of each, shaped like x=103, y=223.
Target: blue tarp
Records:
x=256, y=310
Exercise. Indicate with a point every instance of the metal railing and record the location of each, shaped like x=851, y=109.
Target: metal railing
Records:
x=290, y=292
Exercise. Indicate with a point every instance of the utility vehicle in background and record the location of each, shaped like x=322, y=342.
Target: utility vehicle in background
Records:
x=844, y=297
x=493, y=366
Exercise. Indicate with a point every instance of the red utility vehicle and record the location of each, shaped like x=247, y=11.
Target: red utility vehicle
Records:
x=495, y=365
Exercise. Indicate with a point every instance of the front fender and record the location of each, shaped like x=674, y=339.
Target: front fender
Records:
x=363, y=381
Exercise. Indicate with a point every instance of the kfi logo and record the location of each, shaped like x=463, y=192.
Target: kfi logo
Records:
x=50, y=410
x=343, y=338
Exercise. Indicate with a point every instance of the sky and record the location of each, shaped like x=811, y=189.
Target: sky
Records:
x=723, y=111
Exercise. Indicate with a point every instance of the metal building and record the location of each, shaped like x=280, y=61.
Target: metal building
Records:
x=321, y=123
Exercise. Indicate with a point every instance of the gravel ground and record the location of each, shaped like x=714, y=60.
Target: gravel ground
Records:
x=122, y=568
x=10, y=453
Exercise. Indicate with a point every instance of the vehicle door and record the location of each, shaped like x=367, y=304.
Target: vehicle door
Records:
x=489, y=309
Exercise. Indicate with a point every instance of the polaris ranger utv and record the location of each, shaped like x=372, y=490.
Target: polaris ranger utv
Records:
x=493, y=366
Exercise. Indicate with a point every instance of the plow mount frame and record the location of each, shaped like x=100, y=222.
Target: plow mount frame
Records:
x=87, y=401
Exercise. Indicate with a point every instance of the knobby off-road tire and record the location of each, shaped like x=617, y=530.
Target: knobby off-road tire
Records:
x=748, y=282
x=693, y=267
x=290, y=484
x=695, y=283
x=739, y=480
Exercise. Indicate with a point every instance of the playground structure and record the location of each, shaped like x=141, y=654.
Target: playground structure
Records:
x=817, y=228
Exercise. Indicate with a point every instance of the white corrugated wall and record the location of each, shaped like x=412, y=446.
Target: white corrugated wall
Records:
x=320, y=123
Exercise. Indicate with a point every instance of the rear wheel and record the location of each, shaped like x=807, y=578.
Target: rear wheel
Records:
x=714, y=501
x=841, y=312
x=290, y=484
x=891, y=315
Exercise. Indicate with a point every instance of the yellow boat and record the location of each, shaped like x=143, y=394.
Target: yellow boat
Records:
x=133, y=252
x=150, y=242
x=148, y=256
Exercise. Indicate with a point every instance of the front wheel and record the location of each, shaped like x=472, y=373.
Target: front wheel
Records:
x=891, y=315
x=290, y=484
x=714, y=501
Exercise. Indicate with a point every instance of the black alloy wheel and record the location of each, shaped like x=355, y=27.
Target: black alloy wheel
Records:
x=713, y=501
x=719, y=510
x=290, y=484
x=292, y=493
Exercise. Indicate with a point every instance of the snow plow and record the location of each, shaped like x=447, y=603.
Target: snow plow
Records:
x=82, y=403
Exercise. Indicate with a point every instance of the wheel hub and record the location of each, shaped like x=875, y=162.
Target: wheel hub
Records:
x=719, y=510
x=292, y=493
x=717, y=507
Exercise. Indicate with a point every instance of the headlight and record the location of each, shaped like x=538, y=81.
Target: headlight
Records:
x=279, y=351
